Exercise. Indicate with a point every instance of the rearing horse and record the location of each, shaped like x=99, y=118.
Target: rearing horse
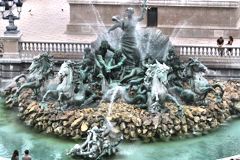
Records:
x=156, y=80
x=65, y=92
x=39, y=71
x=65, y=88
x=198, y=83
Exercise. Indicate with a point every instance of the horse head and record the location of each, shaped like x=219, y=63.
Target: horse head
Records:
x=161, y=72
x=194, y=66
x=41, y=66
x=65, y=70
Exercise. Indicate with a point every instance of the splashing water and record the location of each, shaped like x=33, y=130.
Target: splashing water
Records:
x=158, y=88
x=113, y=93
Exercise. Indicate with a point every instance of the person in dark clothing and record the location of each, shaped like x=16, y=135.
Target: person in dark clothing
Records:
x=230, y=42
x=15, y=155
x=220, y=42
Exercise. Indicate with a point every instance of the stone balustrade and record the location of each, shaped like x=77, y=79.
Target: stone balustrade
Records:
x=207, y=51
x=60, y=50
x=13, y=63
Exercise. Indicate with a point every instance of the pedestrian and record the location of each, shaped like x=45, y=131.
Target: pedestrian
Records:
x=15, y=155
x=220, y=42
x=26, y=156
x=230, y=42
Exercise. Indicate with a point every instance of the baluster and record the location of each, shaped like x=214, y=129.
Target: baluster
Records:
x=65, y=47
x=28, y=46
x=34, y=46
x=47, y=45
x=40, y=46
x=79, y=48
x=193, y=51
x=185, y=50
x=233, y=52
x=205, y=51
x=74, y=48
x=237, y=52
x=200, y=51
x=54, y=47
x=58, y=47
x=209, y=51
x=44, y=46
x=213, y=52
x=181, y=50
x=224, y=52
x=23, y=46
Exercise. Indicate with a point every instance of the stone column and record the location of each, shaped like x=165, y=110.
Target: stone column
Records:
x=10, y=63
x=10, y=45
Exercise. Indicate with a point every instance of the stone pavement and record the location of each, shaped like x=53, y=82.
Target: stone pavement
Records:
x=46, y=20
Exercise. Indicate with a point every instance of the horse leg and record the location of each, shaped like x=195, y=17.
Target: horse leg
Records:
x=60, y=99
x=43, y=102
x=174, y=100
x=220, y=87
x=17, y=79
x=26, y=85
x=206, y=90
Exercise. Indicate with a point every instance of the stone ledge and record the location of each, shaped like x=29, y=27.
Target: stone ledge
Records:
x=187, y=3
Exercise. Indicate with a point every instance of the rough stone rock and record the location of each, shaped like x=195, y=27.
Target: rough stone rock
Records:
x=237, y=106
x=183, y=120
x=49, y=130
x=133, y=134
x=137, y=121
x=190, y=122
x=126, y=131
x=156, y=121
x=76, y=122
x=196, y=119
x=145, y=131
x=122, y=126
x=188, y=113
x=84, y=126
x=166, y=119
x=177, y=122
x=66, y=116
x=58, y=130
x=54, y=125
x=164, y=127
x=127, y=118
x=177, y=128
x=214, y=124
x=139, y=131
x=33, y=116
x=185, y=128
x=66, y=123
x=203, y=118
x=147, y=121
x=221, y=118
x=234, y=96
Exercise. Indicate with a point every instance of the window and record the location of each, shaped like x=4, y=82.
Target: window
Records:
x=152, y=17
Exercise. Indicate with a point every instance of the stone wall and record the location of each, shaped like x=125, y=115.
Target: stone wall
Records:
x=202, y=18
x=133, y=123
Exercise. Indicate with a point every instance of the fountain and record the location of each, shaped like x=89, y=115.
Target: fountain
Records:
x=162, y=96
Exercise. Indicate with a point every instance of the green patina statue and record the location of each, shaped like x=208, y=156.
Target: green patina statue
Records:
x=147, y=73
x=40, y=71
x=100, y=142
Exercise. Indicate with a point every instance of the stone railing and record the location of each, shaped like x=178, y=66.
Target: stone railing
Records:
x=207, y=51
x=60, y=50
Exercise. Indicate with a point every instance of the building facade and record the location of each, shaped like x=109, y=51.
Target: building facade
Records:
x=182, y=18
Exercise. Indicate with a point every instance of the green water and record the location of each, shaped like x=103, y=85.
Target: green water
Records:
x=221, y=143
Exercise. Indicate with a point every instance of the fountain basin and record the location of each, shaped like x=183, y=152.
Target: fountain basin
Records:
x=135, y=124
